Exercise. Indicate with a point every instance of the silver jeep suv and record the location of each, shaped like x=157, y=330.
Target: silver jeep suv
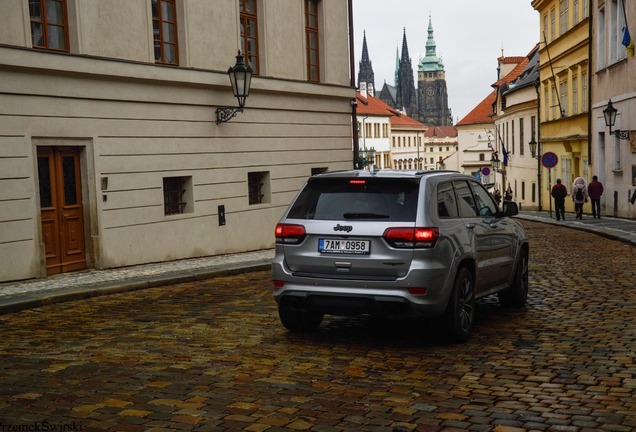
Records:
x=397, y=244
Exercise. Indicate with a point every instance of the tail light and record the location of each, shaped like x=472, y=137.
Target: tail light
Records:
x=290, y=234
x=411, y=238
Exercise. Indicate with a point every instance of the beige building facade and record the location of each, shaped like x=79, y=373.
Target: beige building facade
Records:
x=109, y=150
x=564, y=91
x=613, y=71
x=515, y=127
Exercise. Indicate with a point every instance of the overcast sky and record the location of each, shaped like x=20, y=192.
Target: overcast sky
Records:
x=469, y=35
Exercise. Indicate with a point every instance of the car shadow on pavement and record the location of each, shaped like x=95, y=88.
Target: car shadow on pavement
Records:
x=376, y=332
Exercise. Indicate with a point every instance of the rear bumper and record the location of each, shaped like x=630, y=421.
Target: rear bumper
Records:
x=352, y=297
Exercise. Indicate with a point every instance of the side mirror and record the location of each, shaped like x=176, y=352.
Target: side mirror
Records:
x=510, y=208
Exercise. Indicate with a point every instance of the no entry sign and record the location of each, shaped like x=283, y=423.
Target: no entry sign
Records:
x=549, y=160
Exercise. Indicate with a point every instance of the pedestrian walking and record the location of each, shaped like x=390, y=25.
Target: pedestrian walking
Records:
x=509, y=194
x=595, y=190
x=579, y=196
x=497, y=196
x=559, y=192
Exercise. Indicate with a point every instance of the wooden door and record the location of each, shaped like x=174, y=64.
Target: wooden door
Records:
x=61, y=207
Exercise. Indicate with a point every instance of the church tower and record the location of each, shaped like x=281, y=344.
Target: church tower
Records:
x=365, y=70
x=432, y=95
x=406, y=98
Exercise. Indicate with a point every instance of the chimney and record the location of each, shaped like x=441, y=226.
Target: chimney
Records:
x=371, y=90
x=363, y=89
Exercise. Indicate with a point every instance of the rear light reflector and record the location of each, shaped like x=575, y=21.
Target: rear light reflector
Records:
x=412, y=237
x=278, y=283
x=417, y=291
x=290, y=234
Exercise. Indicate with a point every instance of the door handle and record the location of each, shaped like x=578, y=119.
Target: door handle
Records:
x=493, y=225
x=470, y=226
x=65, y=215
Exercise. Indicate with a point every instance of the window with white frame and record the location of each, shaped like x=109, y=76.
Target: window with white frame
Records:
x=584, y=91
x=555, y=102
x=575, y=7
x=566, y=172
x=617, y=146
x=600, y=41
x=586, y=8
x=522, y=137
x=575, y=95
x=547, y=103
x=552, y=24
x=563, y=16
x=564, y=98
x=512, y=147
x=617, y=51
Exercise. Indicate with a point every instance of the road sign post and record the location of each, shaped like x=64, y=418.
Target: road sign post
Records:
x=549, y=160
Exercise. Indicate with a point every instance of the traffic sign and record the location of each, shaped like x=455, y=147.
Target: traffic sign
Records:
x=485, y=171
x=549, y=160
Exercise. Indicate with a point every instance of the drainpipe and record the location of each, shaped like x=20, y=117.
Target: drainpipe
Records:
x=589, y=89
x=537, y=86
x=352, y=66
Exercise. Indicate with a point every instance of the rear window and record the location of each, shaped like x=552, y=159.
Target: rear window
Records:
x=357, y=199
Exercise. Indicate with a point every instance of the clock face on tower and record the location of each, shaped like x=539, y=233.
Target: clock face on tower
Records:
x=430, y=91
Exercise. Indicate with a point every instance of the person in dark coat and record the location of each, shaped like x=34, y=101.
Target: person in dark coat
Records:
x=559, y=192
x=595, y=190
x=508, y=195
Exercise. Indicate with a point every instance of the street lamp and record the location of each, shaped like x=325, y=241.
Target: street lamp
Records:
x=533, y=149
x=366, y=157
x=495, y=162
x=241, y=80
x=610, y=120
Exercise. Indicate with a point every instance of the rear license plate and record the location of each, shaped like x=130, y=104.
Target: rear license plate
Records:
x=358, y=247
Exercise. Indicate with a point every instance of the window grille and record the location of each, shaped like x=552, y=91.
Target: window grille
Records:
x=173, y=191
x=255, y=187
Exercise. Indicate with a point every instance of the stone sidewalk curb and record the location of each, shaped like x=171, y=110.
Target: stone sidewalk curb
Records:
x=610, y=233
x=42, y=298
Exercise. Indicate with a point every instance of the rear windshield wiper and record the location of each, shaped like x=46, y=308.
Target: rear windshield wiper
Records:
x=365, y=216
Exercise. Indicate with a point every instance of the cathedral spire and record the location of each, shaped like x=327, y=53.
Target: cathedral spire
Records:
x=405, y=49
x=430, y=42
x=365, y=51
x=397, y=65
x=365, y=69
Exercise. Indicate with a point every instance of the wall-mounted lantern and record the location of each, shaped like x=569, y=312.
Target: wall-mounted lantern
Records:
x=241, y=80
x=610, y=119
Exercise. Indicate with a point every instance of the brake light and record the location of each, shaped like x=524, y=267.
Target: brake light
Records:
x=412, y=237
x=290, y=234
x=417, y=291
x=357, y=182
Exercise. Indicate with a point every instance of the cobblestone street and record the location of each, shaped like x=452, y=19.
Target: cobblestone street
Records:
x=212, y=355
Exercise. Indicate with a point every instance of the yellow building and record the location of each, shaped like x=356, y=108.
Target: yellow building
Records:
x=564, y=92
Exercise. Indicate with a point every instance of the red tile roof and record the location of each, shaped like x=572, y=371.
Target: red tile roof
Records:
x=399, y=119
x=508, y=60
x=514, y=73
x=441, y=132
x=481, y=113
x=374, y=106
